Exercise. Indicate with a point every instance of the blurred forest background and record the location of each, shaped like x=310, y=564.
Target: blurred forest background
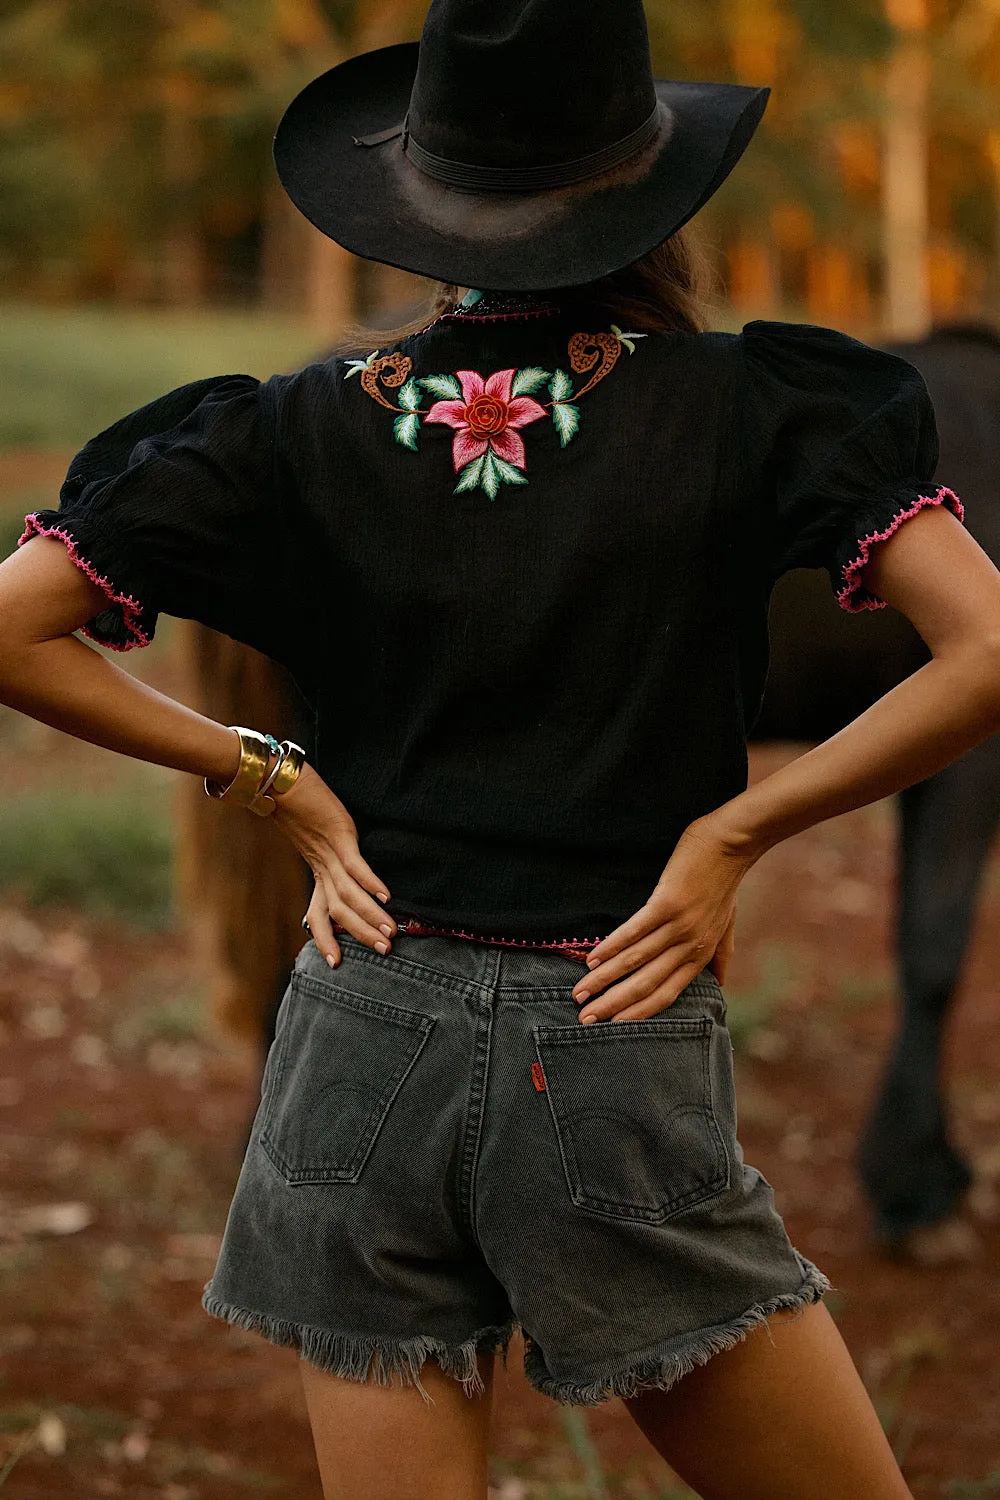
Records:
x=135, y=172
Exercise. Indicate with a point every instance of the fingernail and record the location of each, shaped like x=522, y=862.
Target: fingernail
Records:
x=386, y=929
x=592, y=963
x=381, y=947
x=331, y=960
x=581, y=997
x=383, y=895
x=587, y=1020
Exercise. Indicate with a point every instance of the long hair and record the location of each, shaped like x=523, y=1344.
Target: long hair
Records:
x=665, y=291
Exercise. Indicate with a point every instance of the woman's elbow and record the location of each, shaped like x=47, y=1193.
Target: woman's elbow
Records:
x=985, y=652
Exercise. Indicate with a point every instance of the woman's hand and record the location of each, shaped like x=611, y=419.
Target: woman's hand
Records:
x=687, y=923
x=324, y=833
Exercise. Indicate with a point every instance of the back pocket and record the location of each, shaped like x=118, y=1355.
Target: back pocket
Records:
x=340, y=1061
x=632, y=1106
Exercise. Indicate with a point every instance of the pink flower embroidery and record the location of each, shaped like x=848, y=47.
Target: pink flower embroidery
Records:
x=487, y=449
x=486, y=418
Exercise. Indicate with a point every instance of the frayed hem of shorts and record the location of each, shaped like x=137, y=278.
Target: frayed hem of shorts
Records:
x=370, y=1358
x=658, y=1370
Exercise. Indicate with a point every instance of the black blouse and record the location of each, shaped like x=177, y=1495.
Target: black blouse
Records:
x=520, y=567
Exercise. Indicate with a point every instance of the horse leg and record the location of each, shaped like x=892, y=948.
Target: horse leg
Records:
x=912, y=1172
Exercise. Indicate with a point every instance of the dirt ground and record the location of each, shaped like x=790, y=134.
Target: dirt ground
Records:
x=121, y=1124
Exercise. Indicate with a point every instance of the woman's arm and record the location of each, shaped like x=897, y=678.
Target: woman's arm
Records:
x=930, y=570
x=49, y=674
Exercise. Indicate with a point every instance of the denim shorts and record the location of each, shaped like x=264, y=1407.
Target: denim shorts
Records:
x=444, y=1154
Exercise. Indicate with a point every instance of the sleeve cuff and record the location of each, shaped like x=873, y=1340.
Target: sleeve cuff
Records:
x=852, y=594
x=126, y=622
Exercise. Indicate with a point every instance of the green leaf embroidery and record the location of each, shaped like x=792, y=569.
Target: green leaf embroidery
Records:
x=561, y=386
x=406, y=429
x=490, y=477
x=507, y=471
x=355, y=366
x=445, y=387
x=469, y=477
x=626, y=338
x=527, y=381
x=409, y=396
x=566, y=419
x=489, y=471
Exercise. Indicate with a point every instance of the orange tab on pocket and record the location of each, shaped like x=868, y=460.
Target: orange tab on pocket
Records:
x=538, y=1077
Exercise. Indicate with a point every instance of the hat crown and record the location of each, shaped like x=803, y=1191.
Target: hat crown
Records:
x=530, y=82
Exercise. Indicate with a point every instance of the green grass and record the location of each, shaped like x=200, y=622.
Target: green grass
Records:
x=67, y=374
x=754, y=1006
x=177, y=1017
x=974, y=1489
x=104, y=854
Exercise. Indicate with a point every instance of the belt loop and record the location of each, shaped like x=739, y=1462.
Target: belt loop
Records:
x=495, y=952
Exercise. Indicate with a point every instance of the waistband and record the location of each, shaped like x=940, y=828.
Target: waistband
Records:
x=417, y=927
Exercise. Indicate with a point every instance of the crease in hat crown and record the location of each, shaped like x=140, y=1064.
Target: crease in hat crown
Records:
x=490, y=153
x=526, y=83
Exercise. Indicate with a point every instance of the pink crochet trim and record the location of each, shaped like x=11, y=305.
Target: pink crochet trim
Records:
x=131, y=608
x=854, y=596
x=572, y=947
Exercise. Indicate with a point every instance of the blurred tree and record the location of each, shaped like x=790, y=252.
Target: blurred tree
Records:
x=135, y=147
x=775, y=218
x=906, y=171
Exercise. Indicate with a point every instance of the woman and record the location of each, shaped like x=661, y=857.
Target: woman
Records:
x=519, y=563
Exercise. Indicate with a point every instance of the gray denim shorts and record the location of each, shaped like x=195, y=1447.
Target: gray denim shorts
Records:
x=443, y=1154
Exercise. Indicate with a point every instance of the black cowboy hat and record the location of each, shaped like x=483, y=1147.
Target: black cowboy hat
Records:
x=521, y=144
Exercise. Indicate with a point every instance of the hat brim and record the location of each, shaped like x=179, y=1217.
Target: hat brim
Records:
x=376, y=203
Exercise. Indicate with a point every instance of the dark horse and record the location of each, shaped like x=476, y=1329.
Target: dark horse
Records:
x=826, y=668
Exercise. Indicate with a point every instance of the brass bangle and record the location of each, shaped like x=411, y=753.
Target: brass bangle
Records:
x=255, y=755
x=282, y=777
x=289, y=770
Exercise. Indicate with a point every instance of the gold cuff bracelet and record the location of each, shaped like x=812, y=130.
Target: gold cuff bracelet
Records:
x=255, y=754
x=283, y=776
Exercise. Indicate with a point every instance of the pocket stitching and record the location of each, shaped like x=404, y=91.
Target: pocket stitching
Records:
x=384, y=1010
x=398, y=1014
x=590, y=1203
x=410, y=966
x=609, y=1030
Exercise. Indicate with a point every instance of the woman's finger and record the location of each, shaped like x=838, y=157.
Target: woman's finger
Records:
x=724, y=952
x=348, y=917
x=375, y=923
x=625, y=962
x=661, y=999
x=638, y=987
x=638, y=925
x=363, y=873
x=321, y=928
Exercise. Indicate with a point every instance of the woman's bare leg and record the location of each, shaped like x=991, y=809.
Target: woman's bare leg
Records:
x=784, y=1415
x=387, y=1443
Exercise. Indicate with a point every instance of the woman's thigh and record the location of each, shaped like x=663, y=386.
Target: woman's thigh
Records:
x=783, y=1413
x=390, y=1443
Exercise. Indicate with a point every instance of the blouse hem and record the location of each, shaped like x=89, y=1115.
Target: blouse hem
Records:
x=854, y=596
x=417, y=927
x=131, y=608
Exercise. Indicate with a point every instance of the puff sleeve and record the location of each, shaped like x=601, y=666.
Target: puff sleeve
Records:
x=175, y=508
x=842, y=447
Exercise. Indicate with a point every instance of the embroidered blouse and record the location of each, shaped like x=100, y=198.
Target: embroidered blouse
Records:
x=520, y=567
